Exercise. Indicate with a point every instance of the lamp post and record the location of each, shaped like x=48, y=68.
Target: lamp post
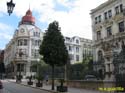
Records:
x=10, y=7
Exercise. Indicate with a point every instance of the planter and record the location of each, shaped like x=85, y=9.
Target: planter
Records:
x=30, y=83
x=39, y=84
x=62, y=88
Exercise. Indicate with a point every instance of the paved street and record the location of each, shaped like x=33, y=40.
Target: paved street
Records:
x=11, y=87
x=16, y=88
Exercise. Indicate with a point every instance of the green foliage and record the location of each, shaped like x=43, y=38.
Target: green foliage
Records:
x=39, y=77
x=53, y=48
x=76, y=72
x=88, y=63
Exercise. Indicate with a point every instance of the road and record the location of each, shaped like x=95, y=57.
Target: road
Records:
x=11, y=87
x=16, y=88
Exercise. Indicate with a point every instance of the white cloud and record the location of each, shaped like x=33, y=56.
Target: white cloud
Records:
x=5, y=31
x=75, y=22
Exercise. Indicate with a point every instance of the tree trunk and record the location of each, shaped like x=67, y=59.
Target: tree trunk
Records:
x=53, y=77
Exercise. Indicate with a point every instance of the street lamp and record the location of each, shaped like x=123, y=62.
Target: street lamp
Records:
x=10, y=6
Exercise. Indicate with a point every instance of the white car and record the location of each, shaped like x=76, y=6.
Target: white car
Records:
x=90, y=77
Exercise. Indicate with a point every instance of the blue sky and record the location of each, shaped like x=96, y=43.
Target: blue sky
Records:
x=73, y=16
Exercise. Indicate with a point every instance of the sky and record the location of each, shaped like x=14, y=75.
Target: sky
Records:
x=73, y=16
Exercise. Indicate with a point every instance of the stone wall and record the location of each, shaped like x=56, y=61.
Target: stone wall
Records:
x=91, y=85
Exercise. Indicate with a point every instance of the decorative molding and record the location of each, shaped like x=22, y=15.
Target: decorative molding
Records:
x=108, y=22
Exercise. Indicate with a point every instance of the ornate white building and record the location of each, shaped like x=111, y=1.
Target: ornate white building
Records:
x=78, y=48
x=22, y=50
x=108, y=26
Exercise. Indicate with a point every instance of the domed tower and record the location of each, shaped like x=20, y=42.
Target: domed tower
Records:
x=28, y=18
x=27, y=39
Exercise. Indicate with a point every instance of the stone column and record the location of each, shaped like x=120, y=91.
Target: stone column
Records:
x=28, y=63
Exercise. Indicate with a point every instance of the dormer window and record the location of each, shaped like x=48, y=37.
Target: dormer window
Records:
x=77, y=41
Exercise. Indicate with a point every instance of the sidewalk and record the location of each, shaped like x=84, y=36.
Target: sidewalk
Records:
x=48, y=87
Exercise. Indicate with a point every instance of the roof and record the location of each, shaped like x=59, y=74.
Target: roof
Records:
x=28, y=18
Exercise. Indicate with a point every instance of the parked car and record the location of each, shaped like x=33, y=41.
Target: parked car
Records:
x=90, y=77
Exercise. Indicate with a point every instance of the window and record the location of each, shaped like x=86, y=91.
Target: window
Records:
x=99, y=18
x=20, y=67
x=34, y=33
x=121, y=8
x=39, y=34
x=36, y=42
x=98, y=35
x=71, y=56
x=105, y=15
x=121, y=26
x=96, y=20
x=108, y=67
x=36, y=53
x=77, y=57
x=22, y=42
x=77, y=49
x=32, y=52
x=100, y=55
x=25, y=42
x=116, y=10
x=33, y=42
x=39, y=42
x=109, y=31
x=20, y=53
x=70, y=49
x=18, y=42
x=109, y=13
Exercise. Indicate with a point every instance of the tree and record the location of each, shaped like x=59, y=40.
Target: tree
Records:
x=53, y=48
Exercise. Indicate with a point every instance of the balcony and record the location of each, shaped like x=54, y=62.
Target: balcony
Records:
x=118, y=17
x=98, y=27
x=97, y=42
x=108, y=53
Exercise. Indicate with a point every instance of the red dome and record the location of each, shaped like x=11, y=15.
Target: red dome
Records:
x=28, y=17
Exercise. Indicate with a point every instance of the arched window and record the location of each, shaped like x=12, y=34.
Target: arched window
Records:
x=77, y=41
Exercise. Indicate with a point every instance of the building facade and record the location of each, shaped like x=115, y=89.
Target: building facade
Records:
x=22, y=50
x=108, y=27
x=78, y=48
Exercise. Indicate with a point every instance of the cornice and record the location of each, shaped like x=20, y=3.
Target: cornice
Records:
x=105, y=4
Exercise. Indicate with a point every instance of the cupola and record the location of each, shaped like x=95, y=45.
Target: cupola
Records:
x=28, y=18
